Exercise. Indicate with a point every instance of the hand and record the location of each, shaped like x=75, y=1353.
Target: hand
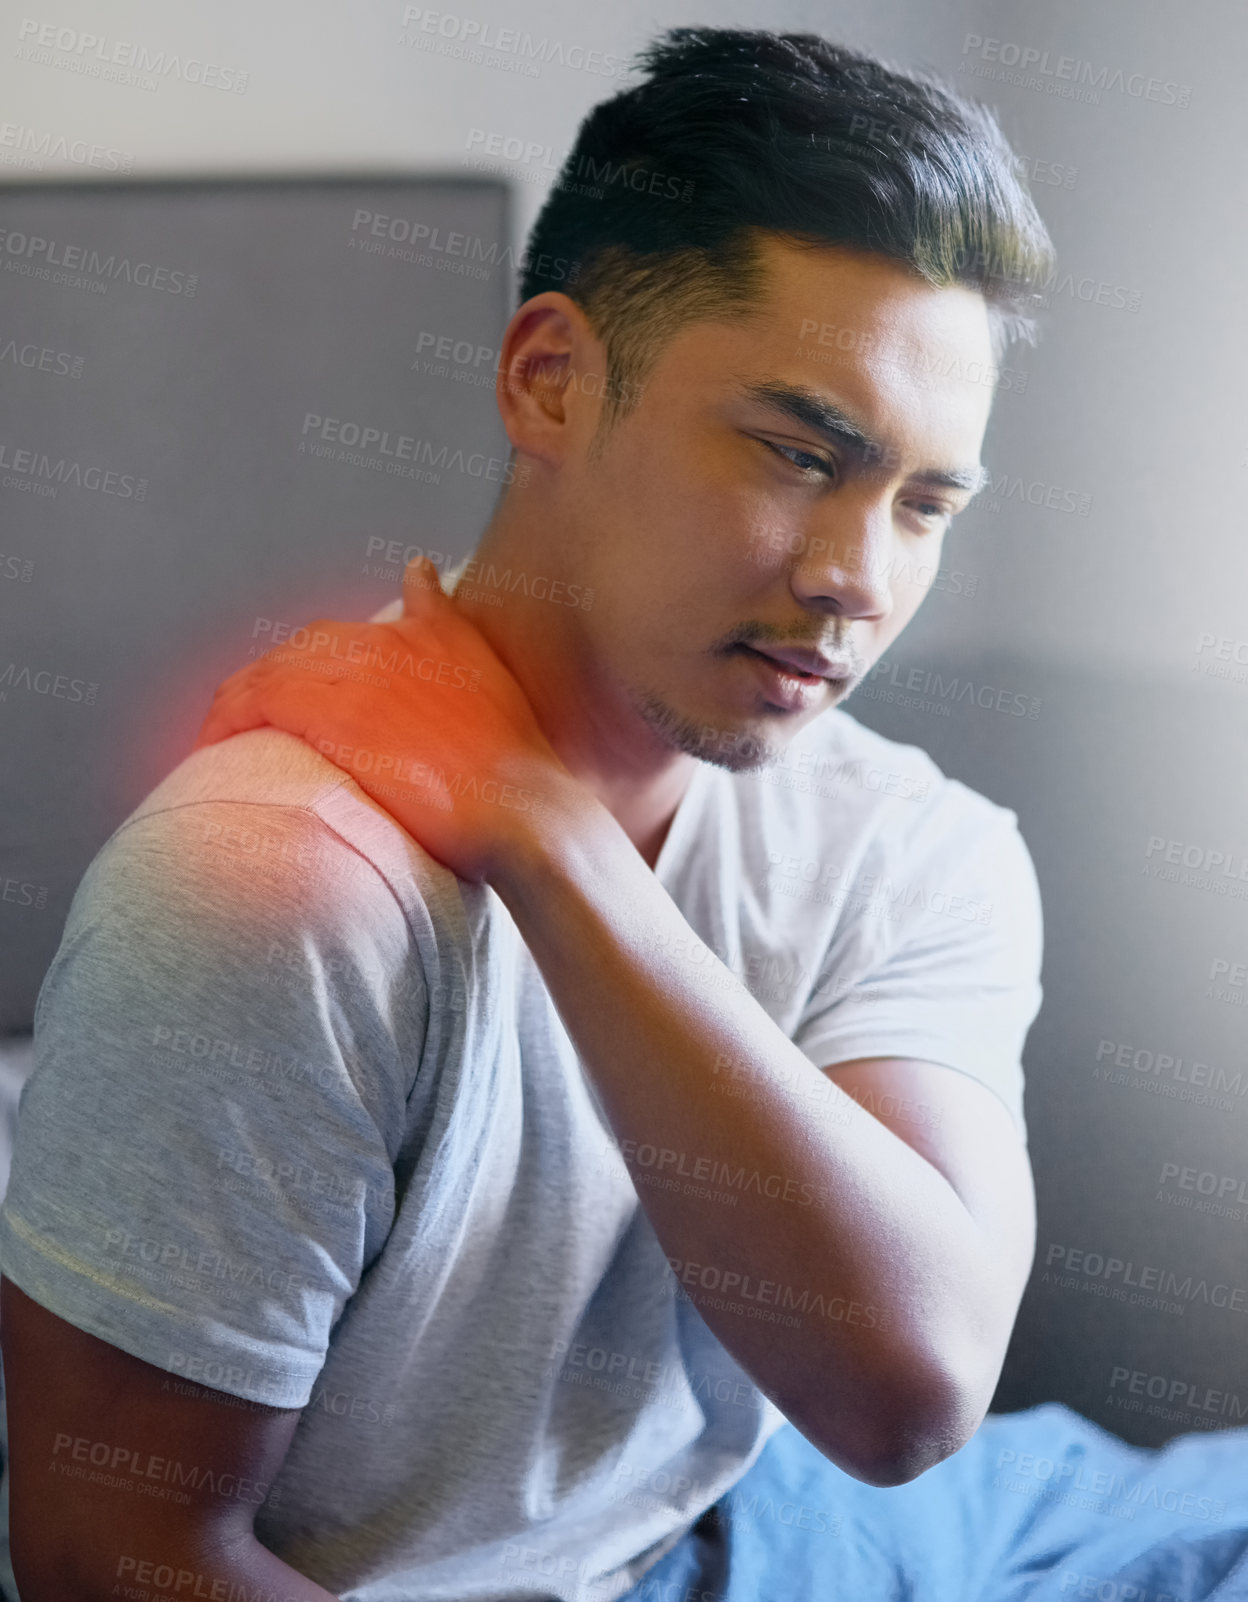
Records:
x=421, y=713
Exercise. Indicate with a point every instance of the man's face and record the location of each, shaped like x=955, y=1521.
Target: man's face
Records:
x=723, y=526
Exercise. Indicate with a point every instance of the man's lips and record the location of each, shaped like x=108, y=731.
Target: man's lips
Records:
x=787, y=687
x=811, y=664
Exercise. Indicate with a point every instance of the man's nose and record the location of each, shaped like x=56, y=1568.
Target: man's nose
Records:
x=847, y=568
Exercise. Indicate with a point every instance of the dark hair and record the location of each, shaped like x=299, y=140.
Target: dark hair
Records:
x=735, y=131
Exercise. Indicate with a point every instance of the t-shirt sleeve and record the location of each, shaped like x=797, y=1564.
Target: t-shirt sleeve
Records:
x=938, y=955
x=223, y=1048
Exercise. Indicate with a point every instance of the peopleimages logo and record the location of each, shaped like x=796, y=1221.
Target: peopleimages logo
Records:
x=23, y=893
x=37, y=473
x=1113, y=1273
x=799, y=768
x=21, y=568
x=868, y=887
x=1228, y=981
x=926, y=682
x=122, y=61
x=388, y=235
x=34, y=255
x=1053, y=497
x=637, y=177
x=56, y=147
x=479, y=41
x=772, y=1293
x=1190, y=1393
x=380, y=448
x=461, y=360
x=1227, y=658
x=1200, y=867
x=41, y=358
x=1219, y=1192
x=43, y=682
x=924, y=367
x=1056, y=174
x=1028, y=1471
x=712, y=1170
x=1168, y=1075
x=1205, y=859
x=1069, y=77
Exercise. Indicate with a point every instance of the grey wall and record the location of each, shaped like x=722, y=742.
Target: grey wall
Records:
x=181, y=419
x=1122, y=623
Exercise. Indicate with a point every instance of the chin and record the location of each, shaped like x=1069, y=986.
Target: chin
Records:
x=740, y=747
x=740, y=752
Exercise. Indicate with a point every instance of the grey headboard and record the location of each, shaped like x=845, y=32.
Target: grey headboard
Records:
x=166, y=494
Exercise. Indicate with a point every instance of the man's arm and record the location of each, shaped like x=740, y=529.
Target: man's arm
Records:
x=897, y=1300
x=200, y=1021
x=905, y=1289
x=82, y=1412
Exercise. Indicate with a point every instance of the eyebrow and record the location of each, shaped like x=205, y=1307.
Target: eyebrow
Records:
x=821, y=416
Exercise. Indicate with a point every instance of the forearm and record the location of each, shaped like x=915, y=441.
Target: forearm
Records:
x=179, y=1565
x=871, y=1251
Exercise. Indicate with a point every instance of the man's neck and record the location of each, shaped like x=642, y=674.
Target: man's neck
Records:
x=595, y=732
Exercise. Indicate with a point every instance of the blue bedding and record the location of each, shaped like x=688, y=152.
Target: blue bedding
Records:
x=1039, y=1505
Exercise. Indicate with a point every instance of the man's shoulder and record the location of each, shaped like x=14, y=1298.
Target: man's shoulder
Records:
x=934, y=833
x=243, y=914
x=263, y=814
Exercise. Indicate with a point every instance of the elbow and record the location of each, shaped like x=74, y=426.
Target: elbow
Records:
x=909, y=1414
x=937, y=1422
x=926, y=1439
x=913, y=1453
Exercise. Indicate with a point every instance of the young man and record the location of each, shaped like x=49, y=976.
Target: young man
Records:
x=530, y=1051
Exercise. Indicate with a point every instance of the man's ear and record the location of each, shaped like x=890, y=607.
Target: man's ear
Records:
x=548, y=338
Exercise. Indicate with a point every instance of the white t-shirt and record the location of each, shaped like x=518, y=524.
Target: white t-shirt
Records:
x=305, y=1126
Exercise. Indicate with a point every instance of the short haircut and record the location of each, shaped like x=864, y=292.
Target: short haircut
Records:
x=659, y=201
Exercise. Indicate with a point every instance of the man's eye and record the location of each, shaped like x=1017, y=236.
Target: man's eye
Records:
x=809, y=463
x=933, y=511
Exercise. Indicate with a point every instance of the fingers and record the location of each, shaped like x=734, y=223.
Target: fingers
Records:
x=420, y=579
x=233, y=717
x=295, y=703
x=314, y=635
x=273, y=689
